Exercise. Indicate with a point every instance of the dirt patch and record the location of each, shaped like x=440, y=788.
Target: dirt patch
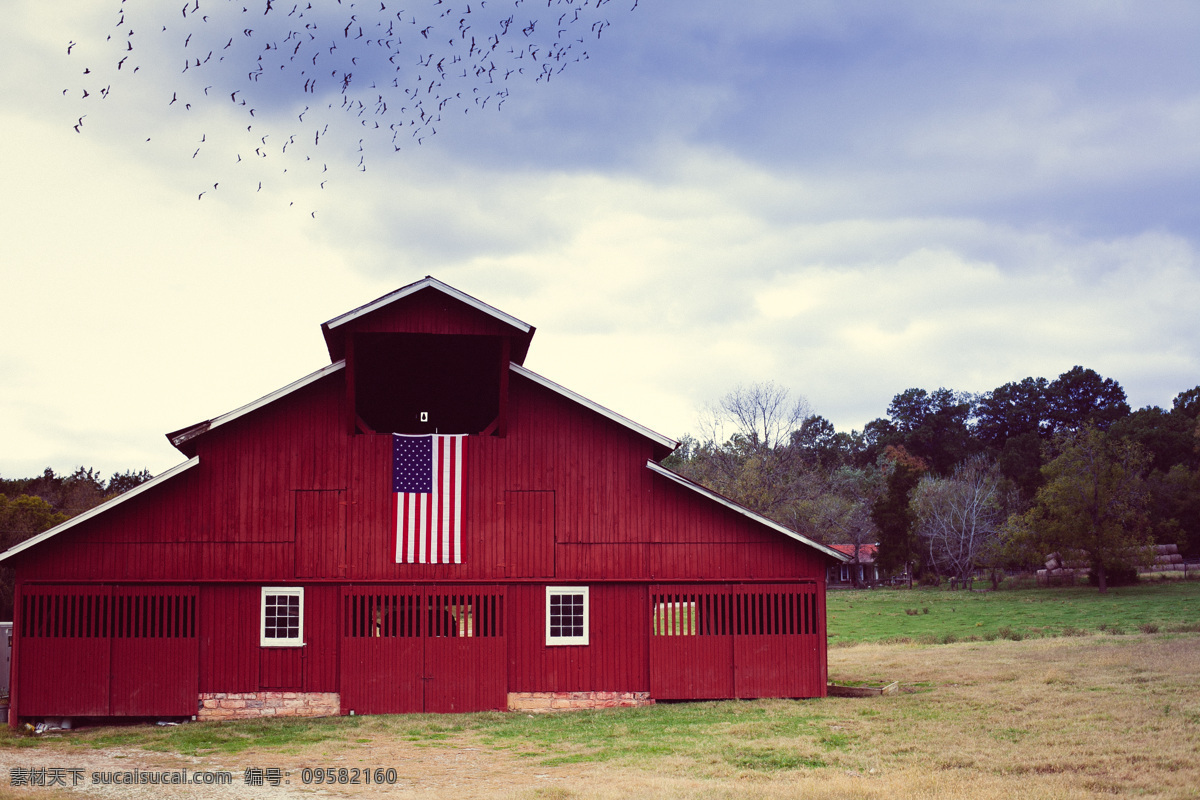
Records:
x=449, y=769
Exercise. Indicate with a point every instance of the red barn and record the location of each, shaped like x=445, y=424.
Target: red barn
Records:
x=422, y=525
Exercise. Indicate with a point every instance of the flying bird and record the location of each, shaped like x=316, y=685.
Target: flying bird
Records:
x=383, y=79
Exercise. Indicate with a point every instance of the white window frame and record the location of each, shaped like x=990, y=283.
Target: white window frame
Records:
x=560, y=591
x=276, y=591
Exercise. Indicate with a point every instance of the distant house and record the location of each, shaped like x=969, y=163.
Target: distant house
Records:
x=422, y=524
x=859, y=570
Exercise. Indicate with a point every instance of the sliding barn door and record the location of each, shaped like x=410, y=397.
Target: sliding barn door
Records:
x=750, y=640
x=778, y=644
x=99, y=651
x=420, y=648
x=691, y=643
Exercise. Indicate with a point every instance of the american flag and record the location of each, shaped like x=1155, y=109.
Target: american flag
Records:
x=427, y=486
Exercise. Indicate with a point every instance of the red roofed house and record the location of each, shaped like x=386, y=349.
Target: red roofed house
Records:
x=859, y=569
x=424, y=524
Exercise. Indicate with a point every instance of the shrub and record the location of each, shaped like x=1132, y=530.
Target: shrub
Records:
x=1005, y=632
x=1148, y=627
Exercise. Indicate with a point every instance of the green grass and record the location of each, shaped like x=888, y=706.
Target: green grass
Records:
x=638, y=735
x=942, y=616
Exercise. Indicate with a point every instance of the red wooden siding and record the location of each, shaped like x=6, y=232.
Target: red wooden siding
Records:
x=232, y=660
x=281, y=668
x=428, y=312
x=261, y=503
x=529, y=534
x=320, y=549
x=229, y=631
x=776, y=641
x=154, y=653
x=321, y=636
x=615, y=659
x=103, y=650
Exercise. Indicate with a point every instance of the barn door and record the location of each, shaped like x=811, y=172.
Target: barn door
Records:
x=383, y=649
x=421, y=648
x=103, y=651
x=691, y=643
x=779, y=644
x=63, y=651
x=754, y=640
x=465, y=653
x=155, y=651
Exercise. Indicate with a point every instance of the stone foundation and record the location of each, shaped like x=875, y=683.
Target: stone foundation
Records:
x=543, y=702
x=251, y=705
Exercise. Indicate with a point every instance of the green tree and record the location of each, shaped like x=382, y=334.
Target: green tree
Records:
x=21, y=517
x=1095, y=499
x=892, y=513
x=1081, y=398
x=933, y=426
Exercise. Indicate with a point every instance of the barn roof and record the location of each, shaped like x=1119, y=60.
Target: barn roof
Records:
x=183, y=438
x=759, y=518
x=335, y=329
x=100, y=509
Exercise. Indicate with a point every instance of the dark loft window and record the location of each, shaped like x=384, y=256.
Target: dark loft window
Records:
x=427, y=383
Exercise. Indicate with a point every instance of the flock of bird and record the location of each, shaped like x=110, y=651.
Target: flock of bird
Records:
x=319, y=75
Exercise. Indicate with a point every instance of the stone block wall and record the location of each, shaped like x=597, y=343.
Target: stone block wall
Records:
x=249, y=705
x=543, y=702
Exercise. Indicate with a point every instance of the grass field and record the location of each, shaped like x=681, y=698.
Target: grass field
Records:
x=1046, y=716
x=940, y=616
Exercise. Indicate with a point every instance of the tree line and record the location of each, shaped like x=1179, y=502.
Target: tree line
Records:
x=29, y=506
x=950, y=482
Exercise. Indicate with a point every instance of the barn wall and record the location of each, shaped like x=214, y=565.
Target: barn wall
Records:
x=267, y=483
x=615, y=660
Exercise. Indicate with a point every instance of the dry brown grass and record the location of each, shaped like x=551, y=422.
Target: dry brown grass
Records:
x=1078, y=717
x=1049, y=718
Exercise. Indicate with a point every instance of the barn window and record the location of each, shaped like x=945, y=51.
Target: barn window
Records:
x=566, y=615
x=282, y=617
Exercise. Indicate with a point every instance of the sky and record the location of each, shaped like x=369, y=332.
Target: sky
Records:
x=846, y=198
